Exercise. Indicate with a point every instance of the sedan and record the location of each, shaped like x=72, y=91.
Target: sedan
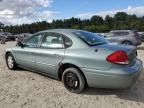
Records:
x=9, y=36
x=78, y=58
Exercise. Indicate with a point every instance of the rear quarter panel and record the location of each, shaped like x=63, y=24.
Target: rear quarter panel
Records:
x=90, y=58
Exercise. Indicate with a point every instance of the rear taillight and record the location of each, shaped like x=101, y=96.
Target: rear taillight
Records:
x=118, y=57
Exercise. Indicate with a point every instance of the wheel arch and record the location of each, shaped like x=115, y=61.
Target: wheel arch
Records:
x=64, y=66
x=8, y=52
x=127, y=41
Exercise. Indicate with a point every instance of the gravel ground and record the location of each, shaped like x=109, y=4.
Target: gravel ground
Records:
x=24, y=89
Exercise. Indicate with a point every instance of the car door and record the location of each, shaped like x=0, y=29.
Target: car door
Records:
x=50, y=54
x=25, y=56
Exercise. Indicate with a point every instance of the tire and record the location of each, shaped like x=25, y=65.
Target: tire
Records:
x=73, y=80
x=11, y=64
x=126, y=43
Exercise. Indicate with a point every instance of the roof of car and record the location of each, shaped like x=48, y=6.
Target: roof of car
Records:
x=121, y=30
x=62, y=30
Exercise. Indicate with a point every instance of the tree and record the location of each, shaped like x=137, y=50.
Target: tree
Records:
x=97, y=20
x=121, y=20
x=120, y=16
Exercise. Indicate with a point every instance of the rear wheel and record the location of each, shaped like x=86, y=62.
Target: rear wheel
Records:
x=11, y=64
x=73, y=80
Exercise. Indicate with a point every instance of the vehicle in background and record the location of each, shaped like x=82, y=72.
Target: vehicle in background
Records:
x=1, y=34
x=141, y=36
x=21, y=37
x=127, y=37
x=2, y=38
x=78, y=58
x=9, y=36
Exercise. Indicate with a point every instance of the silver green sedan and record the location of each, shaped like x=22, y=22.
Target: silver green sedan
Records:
x=78, y=58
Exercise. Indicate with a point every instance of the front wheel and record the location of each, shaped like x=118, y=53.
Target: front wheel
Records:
x=73, y=80
x=11, y=64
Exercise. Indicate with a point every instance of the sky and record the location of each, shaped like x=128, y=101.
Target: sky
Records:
x=15, y=12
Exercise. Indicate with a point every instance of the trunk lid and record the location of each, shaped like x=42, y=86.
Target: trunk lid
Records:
x=130, y=50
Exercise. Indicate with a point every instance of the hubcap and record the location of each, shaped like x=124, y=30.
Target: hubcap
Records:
x=10, y=62
x=71, y=81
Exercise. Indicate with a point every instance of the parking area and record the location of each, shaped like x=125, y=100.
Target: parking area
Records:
x=24, y=89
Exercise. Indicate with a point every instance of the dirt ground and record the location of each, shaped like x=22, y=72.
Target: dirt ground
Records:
x=24, y=89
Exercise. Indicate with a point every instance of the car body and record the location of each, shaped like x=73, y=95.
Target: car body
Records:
x=128, y=37
x=78, y=58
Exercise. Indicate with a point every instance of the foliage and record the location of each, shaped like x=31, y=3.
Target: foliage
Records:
x=121, y=20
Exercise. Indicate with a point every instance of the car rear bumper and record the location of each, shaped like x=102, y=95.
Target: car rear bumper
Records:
x=116, y=79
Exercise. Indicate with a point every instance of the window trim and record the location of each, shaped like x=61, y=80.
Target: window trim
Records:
x=65, y=42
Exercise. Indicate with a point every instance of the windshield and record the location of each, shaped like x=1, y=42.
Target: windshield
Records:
x=90, y=38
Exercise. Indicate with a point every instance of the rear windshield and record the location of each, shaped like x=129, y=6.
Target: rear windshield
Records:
x=90, y=38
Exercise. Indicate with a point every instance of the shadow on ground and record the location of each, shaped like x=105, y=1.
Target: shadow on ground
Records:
x=136, y=93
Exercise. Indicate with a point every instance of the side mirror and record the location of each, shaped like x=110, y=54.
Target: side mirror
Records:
x=20, y=44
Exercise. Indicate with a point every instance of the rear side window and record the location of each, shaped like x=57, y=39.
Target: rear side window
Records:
x=90, y=38
x=120, y=33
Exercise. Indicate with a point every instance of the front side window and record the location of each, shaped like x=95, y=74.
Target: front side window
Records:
x=33, y=41
x=90, y=38
x=52, y=40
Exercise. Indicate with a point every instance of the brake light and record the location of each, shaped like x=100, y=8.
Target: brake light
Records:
x=118, y=57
